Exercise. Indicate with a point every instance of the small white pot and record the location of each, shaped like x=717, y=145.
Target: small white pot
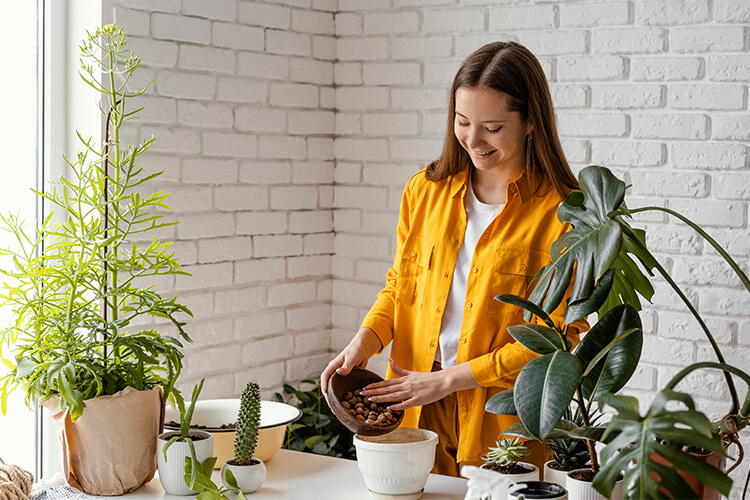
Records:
x=537, y=489
x=584, y=490
x=501, y=491
x=172, y=472
x=249, y=477
x=553, y=475
x=397, y=463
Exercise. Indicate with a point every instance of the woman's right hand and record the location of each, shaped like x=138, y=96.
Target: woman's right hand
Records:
x=362, y=347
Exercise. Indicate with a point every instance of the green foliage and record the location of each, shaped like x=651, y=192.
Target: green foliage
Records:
x=506, y=452
x=568, y=452
x=204, y=486
x=76, y=287
x=636, y=441
x=185, y=417
x=318, y=431
x=248, y=424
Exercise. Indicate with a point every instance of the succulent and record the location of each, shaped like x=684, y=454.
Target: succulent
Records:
x=248, y=424
x=572, y=453
x=506, y=452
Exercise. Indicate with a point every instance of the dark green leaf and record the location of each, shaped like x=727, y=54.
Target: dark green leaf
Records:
x=539, y=339
x=501, y=403
x=544, y=390
x=531, y=307
x=584, y=306
x=313, y=440
x=320, y=448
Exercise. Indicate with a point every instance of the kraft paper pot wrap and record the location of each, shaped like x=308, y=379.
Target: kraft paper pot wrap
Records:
x=111, y=448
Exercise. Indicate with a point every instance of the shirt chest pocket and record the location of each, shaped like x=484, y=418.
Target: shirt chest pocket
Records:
x=512, y=273
x=414, y=270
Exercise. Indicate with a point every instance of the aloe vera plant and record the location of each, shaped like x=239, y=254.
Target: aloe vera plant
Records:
x=598, y=258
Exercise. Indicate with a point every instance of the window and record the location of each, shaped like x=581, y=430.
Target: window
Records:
x=19, y=166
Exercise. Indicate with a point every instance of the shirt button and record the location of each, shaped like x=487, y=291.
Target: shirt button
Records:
x=464, y=409
x=486, y=236
x=474, y=269
x=413, y=253
x=437, y=310
x=432, y=344
x=469, y=304
x=447, y=275
x=455, y=242
x=523, y=267
x=463, y=340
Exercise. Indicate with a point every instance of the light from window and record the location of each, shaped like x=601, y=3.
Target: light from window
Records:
x=18, y=168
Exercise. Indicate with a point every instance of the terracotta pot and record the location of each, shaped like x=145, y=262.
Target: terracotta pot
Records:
x=249, y=477
x=584, y=490
x=172, y=471
x=111, y=448
x=699, y=488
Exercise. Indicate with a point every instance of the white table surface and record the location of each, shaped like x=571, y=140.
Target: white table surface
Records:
x=305, y=476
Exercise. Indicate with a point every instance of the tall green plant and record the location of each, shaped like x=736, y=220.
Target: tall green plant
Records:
x=597, y=257
x=248, y=425
x=77, y=287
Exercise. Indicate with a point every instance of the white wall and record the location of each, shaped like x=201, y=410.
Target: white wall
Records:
x=256, y=101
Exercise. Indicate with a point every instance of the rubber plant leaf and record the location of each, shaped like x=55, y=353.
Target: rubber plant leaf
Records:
x=614, y=369
x=595, y=244
x=502, y=403
x=544, y=390
x=561, y=431
x=530, y=307
x=538, y=338
x=648, y=450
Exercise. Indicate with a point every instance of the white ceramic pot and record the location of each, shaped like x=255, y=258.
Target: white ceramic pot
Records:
x=249, y=477
x=537, y=489
x=584, y=490
x=172, y=472
x=553, y=475
x=501, y=491
x=397, y=464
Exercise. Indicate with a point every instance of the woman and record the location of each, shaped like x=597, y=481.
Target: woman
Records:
x=476, y=223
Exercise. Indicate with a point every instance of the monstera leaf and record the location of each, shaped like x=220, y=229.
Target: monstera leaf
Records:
x=601, y=240
x=639, y=442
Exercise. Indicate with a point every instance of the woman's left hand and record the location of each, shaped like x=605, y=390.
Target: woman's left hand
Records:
x=410, y=388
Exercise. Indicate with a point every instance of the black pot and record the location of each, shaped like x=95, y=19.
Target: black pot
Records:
x=538, y=489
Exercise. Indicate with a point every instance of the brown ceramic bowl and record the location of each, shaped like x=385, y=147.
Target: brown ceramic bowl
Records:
x=338, y=385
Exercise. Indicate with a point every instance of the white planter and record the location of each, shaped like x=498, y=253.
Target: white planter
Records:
x=537, y=489
x=397, y=464
x=554, y=475
x=249, y=477
x=172, y=472
x=584, y=490
x=501, y=491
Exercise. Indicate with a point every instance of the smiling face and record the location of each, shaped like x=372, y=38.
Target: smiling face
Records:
x=494, y=136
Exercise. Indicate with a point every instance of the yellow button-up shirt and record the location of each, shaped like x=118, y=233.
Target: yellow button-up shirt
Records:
x=409, y=310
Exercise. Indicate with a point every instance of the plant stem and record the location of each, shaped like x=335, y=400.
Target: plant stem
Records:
x=694, y=312
x=587, y=423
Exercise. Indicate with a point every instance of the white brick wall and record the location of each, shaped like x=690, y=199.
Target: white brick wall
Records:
x=288, y=129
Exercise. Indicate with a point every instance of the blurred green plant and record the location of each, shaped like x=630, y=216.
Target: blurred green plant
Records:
x=506, y=452
x=318, y=431
x=76, y=287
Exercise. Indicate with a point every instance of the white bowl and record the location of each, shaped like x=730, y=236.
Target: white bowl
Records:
x=397, y=464
x=213, y=413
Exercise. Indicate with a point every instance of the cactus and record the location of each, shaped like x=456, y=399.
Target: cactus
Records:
x=506, y=452
x=248, y=424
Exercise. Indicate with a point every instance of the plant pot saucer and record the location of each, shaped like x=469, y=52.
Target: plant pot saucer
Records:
x=385, y=496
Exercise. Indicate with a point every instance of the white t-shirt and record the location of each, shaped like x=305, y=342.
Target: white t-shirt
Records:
x=478, y=216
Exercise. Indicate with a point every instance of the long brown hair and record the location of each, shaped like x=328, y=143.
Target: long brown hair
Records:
x=512, y=69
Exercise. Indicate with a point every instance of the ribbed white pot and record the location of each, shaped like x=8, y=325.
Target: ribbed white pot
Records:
x=584, y=490
x=501, y=491
x=249, y=477
x=397, y=464
x=553, y=475
x=172, y=472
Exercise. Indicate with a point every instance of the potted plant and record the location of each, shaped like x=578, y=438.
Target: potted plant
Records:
x=175, y=447
x=568, y=454
x=505, y=459
x=79, y=286
x=599, y=248
x=248, y=472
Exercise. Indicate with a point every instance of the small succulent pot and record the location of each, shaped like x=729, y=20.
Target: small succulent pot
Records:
x=249, y=477
x=584, y=490
x=537, y=489
x=172, y=472
x=553, y=475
